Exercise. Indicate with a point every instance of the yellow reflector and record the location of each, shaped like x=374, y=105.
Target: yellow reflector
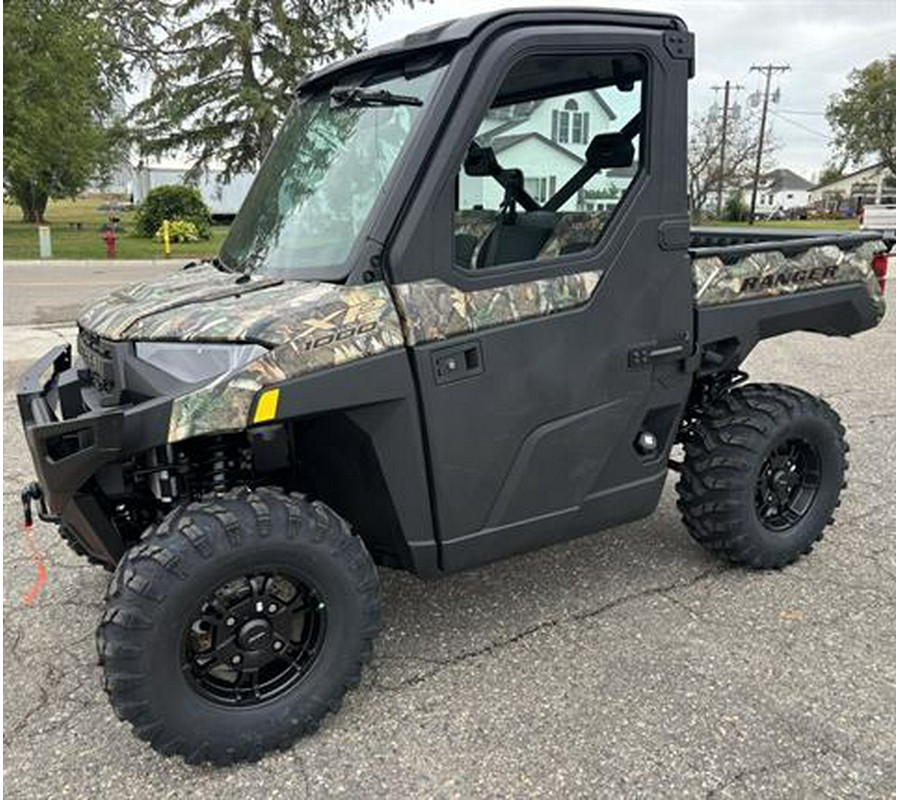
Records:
x=267, y=406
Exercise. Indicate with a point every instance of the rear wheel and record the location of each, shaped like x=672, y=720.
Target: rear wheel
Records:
x=763, y=472
x=237, y=624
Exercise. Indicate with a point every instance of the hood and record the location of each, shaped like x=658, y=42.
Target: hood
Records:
x=206, y=304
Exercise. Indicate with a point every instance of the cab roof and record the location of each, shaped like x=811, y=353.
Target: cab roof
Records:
x=458, y=30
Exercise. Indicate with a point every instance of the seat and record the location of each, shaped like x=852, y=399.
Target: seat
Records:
x=516, y=238
x=574, y=231
x=471, y=226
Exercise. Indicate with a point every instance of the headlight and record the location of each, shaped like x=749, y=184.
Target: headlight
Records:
x=196, y=363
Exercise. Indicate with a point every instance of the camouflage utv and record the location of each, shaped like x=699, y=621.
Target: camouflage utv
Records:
x=460, y=315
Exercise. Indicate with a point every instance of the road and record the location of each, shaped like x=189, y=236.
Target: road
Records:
x=37, y=292
x=626, y=664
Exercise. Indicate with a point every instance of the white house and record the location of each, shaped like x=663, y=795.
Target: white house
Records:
x=547, y=139
x=867, y=186
x=779, y=190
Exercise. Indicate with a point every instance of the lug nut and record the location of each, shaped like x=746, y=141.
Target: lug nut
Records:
x=230, y=622
x=277, y=645
x=272, y=608
x=260, y=606
x=236, y=659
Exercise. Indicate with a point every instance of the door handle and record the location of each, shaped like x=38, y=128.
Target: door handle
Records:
x=455, y=363
x=644, y=355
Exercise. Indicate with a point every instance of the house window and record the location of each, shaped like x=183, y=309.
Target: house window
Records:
x=541, y=189
x=569, y=124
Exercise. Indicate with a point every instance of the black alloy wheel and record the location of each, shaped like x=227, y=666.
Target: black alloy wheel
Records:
x=254, y=638
x=788, y=483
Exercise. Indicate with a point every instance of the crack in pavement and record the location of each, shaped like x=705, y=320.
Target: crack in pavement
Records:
x=491, y=647
x=51, y=676
x=764, y=769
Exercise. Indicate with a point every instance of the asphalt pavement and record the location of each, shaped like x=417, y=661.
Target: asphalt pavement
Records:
x=630, y=663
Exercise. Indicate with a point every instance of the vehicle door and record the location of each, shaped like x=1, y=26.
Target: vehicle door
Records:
x=548, y=312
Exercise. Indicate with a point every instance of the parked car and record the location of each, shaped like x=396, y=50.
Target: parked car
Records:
x=882, y=218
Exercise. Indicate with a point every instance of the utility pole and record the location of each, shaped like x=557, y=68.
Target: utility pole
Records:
x=768, y=69
x=725, y=110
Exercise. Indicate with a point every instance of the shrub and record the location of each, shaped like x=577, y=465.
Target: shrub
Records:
x=182, y=203
x=735, y=208
x=180, y=230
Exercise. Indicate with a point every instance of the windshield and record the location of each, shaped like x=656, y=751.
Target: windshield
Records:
x=320, y=180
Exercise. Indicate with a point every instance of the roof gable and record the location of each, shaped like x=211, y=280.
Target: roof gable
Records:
x=874, y=168
x=785, y=179
x=501, y=143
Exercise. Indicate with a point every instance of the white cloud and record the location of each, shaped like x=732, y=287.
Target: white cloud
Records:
x=822, y=40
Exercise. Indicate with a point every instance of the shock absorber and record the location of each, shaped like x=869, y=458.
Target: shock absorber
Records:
x=218, y=464
x=163, y=479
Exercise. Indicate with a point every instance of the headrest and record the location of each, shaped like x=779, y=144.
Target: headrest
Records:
x=609, y=150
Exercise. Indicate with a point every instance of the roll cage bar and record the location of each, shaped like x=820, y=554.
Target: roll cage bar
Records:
x=605, y=150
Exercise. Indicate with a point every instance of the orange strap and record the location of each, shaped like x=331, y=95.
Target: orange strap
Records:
x=37, y=558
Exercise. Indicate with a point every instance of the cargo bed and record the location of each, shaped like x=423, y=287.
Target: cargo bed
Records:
x=751, y=284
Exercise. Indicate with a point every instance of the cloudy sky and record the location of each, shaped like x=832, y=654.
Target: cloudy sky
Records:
x=822, y=40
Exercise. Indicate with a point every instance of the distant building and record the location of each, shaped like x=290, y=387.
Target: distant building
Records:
x=779, y=190
x=875, y=185
x=223, y=199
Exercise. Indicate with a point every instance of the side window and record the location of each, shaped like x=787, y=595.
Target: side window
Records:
x=552, y=159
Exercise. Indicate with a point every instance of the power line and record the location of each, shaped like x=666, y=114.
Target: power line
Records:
x=809, y=113
x=768, y=69
x=801, y=126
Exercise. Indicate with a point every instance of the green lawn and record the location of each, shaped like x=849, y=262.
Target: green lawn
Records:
x=20, y=240
x=800, y=224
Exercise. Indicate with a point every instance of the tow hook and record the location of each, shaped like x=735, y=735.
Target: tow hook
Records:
x=32, y=493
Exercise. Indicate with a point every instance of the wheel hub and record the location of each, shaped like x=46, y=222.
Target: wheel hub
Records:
x=787, y=485
x=255, y=634
x=253, y=638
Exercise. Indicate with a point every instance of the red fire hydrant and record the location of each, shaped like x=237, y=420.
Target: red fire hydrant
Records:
x=109, y=237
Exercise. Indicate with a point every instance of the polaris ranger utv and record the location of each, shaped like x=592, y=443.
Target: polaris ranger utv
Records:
x=460, y=315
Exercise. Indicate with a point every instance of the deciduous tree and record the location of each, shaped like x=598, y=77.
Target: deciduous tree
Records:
x=61, y=73
x=704, y=157
x=831, y=173
x=863, y=116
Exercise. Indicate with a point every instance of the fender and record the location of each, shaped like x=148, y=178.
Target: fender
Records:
x=377, y=397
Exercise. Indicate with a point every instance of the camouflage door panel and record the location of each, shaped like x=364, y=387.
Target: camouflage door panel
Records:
x=432, y=310
x=769, y=273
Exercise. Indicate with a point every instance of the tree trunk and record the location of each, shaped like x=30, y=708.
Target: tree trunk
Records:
x=32, y=200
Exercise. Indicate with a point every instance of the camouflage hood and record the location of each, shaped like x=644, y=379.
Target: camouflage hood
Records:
x=205, y=304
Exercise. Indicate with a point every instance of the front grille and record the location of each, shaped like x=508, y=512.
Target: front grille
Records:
x=99, y=361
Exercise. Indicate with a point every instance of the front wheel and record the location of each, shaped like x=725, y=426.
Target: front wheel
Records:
x=237, y=624
x=763, y=472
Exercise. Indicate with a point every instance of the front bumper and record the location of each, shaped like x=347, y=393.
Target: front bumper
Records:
x=72, y=437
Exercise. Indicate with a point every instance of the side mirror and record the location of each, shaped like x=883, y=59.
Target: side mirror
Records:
x=609, y=150
x=480, y=161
